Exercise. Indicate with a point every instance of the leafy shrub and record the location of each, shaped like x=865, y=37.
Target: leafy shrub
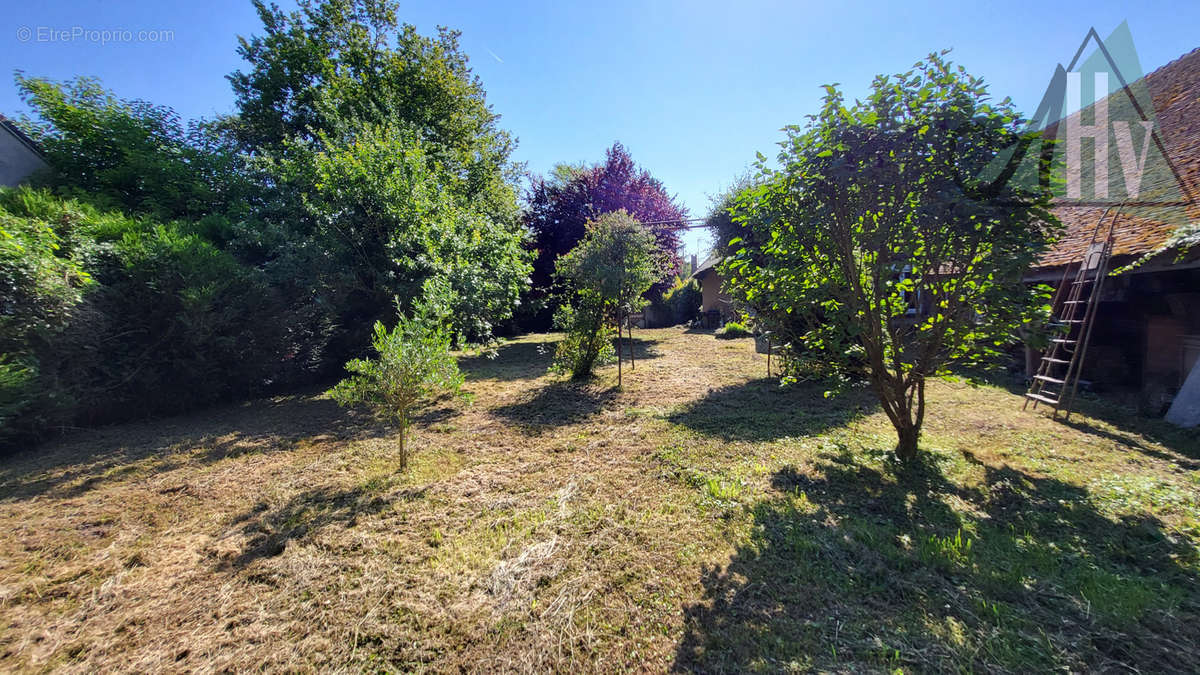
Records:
x=733, y=329
x=414, y=365
x=683, y=300
x=607, y=273
x=107, y=317
x=588, y=341
x=184, y=324
x=17, y=395
x=43, y=287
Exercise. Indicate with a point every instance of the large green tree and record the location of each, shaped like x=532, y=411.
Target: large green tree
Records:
x=384, y=208
x=332, y=68
x=133, y=155
x=384, y=153
x=878, y=229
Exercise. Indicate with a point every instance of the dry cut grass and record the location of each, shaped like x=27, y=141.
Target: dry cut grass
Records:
x=702, y=518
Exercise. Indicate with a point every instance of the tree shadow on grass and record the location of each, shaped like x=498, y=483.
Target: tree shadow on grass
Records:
x=270, y=531
x=643, y=349
x=512, y=361
x=531, y=360
x=761, y=410
x=1120, y=410
x=438, y=413
x=852, y=567
x=1181, y=450
x=92, y=458
x=557, y=404
x=1184, y=444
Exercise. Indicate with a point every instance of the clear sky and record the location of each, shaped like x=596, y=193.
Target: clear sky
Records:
x=693, y=89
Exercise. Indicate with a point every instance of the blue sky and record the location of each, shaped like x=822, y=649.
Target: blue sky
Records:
x=693, y=89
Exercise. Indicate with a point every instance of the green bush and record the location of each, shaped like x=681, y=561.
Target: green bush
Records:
x=588, y=341
x=413, y=366
x=733, y=329
x=614, y=264
x=107, y=317
x=184, y=324
x=17, y=395
x=683, y=300
x=43, y=284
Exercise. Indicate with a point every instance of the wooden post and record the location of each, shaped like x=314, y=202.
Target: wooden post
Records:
x=620, y=347
x=632, y=363
x=768, y=356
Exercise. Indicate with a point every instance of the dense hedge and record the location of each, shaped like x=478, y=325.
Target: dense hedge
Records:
x=105, y=316
x=161, y=265
x=682, y=300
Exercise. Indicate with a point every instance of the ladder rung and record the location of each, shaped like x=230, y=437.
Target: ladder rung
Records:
x=1043, y=399
x=1047, y=378
x=1075, y=302
x=1047, y=358
x=1068, y=321
x=1064, y=341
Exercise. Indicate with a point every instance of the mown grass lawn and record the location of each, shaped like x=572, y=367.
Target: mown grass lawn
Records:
x=700, y=519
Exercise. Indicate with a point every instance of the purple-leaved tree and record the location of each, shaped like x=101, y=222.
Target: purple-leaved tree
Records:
x=561, y=204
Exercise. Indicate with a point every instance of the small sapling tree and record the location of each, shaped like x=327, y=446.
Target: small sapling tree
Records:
x=413, y=367
x=607, y=274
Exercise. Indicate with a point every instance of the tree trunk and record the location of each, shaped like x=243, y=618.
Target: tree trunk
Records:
x=620, y=349
x=906, y=445
x=905, y=408
x=632, y=363
x=912, y=417
x=403, y=450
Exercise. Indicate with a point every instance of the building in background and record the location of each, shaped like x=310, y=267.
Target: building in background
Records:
x=715, y=306
x=1146, y=334
x=20, y=157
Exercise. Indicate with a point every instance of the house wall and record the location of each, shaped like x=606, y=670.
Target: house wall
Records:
x=1172, y=304
x=1144, y=331
x=1164, y=344
x=17, y=160
x=711, y=295
x=1191, y=353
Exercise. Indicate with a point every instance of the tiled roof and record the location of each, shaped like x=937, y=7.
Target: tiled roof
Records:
x=711, y=261
x=1175, y=94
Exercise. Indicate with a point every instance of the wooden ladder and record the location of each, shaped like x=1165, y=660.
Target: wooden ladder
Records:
x=1057, y=379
